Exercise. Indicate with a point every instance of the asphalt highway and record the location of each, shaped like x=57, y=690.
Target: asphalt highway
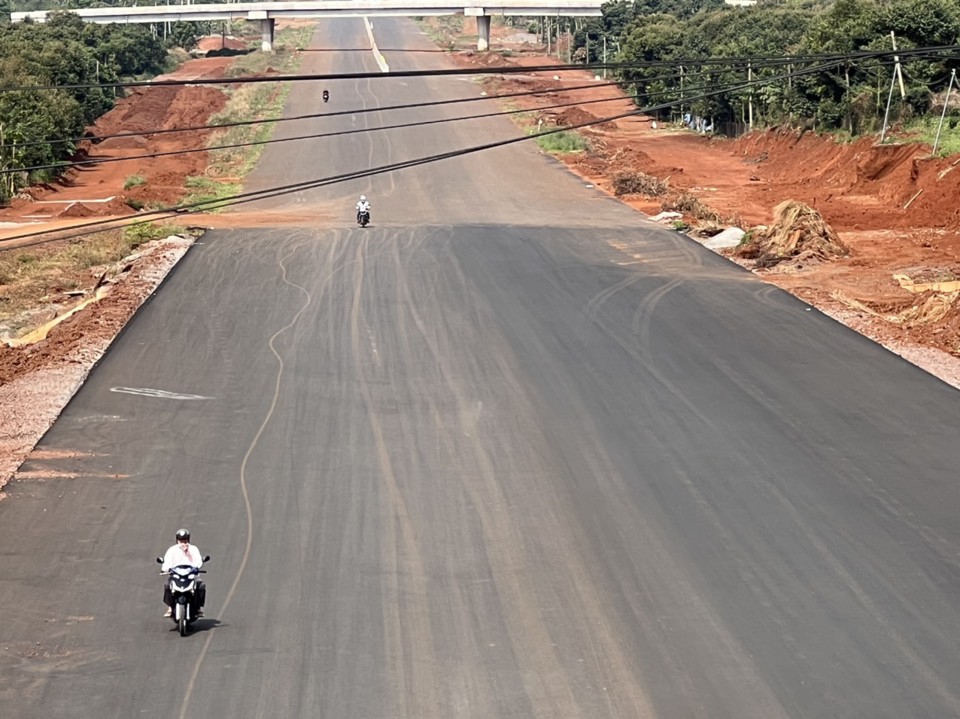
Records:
x=510, y=451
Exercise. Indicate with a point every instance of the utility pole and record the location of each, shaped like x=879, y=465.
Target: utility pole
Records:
x=946, y=103
x=750, y=95
x=846, y=79
x=896, y=60
x=886, y=113
x=681, y=91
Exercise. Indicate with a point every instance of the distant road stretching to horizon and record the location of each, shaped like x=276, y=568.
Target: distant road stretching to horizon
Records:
x=510, y=451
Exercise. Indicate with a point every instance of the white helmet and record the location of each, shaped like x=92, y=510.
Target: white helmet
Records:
x=363, y=198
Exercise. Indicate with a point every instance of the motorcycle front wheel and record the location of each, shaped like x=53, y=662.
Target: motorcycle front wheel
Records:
x=182, y=619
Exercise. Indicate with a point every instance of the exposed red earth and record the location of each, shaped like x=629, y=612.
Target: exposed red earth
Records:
x=892, y=205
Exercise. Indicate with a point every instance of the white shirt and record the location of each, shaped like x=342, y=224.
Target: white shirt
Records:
x=176, y=556
x=363, y=206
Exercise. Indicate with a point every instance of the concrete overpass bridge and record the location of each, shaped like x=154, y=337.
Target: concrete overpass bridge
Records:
x=266, y=13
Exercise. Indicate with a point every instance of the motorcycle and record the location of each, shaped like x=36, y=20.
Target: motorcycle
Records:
x=326, y=95
x=182, y=582
x=363, y=218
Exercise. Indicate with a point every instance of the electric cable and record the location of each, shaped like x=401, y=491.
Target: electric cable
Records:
x=491, y=70
x=338, y=133
x=312, y=116
x=242, y=198
x=776, y=62
x=86, y=162
x=316, y=77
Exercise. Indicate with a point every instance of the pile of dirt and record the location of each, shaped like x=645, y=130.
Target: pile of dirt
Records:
x=799, y=234
x=77, y=209
x=96, y=188
x=215, y=45
x=578, y=116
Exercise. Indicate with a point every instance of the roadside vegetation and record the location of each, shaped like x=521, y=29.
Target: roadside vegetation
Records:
x=444, y=30
x=256, y=101
x=678, y=50
x=562, y=143
x=696, y=58
x=45, y=278
x=85, y=60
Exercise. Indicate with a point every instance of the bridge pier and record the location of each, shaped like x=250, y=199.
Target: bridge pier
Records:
x=267, y=31
x=483, y=33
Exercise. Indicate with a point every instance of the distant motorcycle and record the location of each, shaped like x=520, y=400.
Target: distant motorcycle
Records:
x=326, y=95
x=363, y=218
x=183, y=581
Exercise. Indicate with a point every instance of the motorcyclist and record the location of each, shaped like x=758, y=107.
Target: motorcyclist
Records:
x=326, y=95
x=362, y=206
x=183, y=553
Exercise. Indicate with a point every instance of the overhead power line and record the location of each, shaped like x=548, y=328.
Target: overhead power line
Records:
x=314, y=136
x=242, y=198
x=312, y=116
x=313, y=77
x=493, y=70
x=88, y=162
x=758, y=63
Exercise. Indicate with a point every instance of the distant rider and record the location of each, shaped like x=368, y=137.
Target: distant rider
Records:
x=362, y=206
x=183, y=553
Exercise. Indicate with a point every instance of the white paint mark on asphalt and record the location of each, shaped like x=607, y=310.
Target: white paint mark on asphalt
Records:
x=158, y=393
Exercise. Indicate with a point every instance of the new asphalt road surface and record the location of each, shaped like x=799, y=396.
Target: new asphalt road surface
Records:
x=510, y=451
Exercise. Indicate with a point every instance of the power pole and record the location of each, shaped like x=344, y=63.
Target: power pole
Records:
x=946, y=103
x=899, y=72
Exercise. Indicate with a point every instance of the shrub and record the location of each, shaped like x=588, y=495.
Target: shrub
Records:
x=638, y=183
x=562, y=142
x=136, y=235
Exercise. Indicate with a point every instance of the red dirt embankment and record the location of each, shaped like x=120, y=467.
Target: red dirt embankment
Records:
x=892, y=205
x=99, y=187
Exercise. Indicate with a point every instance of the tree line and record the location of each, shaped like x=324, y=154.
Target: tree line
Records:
x=668, y=45
x=82, y=61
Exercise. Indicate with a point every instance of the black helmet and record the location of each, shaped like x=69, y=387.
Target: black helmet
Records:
x=183, y=535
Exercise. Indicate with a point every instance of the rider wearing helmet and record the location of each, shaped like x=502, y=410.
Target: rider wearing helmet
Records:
x=362, y=206
x=183, y=553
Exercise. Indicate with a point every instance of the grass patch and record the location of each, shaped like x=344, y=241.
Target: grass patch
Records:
x=212, y=193
x=283, y=59
x=445, y=31
x=924, y=129
x=561, y=143
x=36, y=281
x=134, y=181
x=260, y=101
x=138, y=234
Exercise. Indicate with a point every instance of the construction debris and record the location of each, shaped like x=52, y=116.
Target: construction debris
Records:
x=638, y=183
x=798, y=233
